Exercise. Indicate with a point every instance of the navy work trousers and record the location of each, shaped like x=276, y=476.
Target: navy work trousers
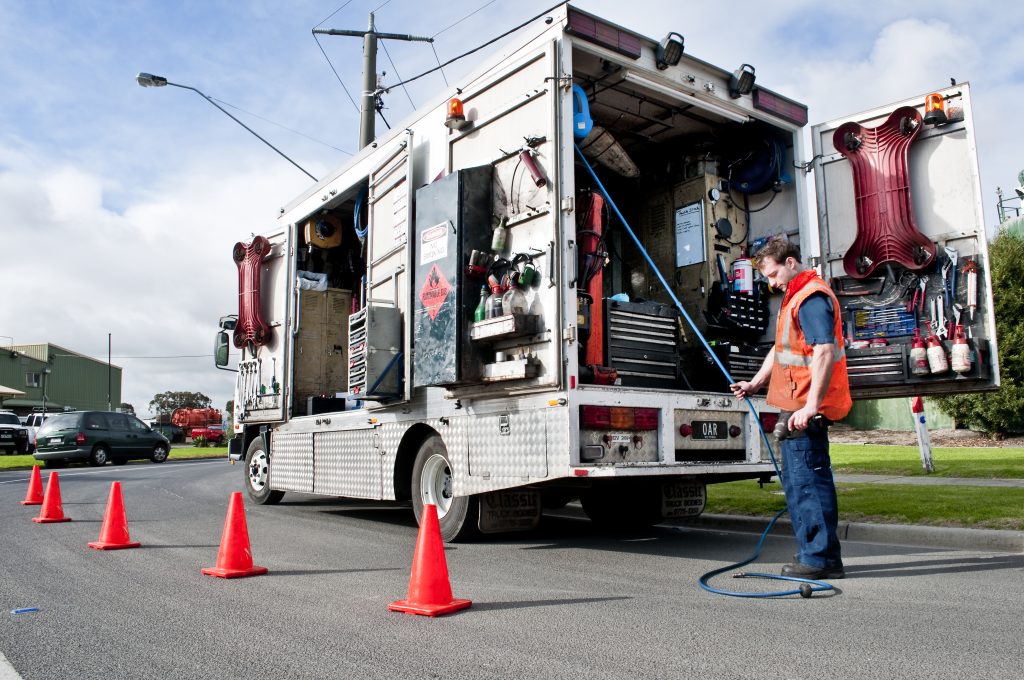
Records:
x=811, y=498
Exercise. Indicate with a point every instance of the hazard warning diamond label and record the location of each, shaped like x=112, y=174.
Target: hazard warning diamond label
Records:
x=434, y=292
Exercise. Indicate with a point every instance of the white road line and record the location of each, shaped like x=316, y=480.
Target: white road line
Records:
x=123, y=468
x=7, y=671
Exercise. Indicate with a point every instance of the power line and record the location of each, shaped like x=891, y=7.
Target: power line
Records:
x=439, y=64
x=170, y=356
x=334, y=12
x=335, y=70
x=487, y=4
x=380, y=6
x=397, y=75
x=476, y=49
x=283, y=127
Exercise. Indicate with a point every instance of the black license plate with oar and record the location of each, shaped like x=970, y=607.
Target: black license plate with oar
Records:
x=710, y=429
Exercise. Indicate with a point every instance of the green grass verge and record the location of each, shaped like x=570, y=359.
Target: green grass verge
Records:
x=177, y=453
x=983, y=463
x=951, y=506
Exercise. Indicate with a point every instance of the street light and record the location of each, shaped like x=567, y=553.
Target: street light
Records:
x=150, y=80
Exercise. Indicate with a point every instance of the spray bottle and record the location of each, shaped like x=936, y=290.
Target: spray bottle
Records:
x=937, y=361
x=961, y=354
x=918, y=355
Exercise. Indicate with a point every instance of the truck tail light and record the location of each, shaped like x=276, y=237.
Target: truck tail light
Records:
x=735, y=431
x=618, y=418
x=80, y=438
x=645, y=419
x=768, y=421
x=596, y=417
x=622, y=418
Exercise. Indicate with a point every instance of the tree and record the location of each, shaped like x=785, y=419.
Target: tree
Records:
x=127, y=408
x=166, y=402
x=998, y=413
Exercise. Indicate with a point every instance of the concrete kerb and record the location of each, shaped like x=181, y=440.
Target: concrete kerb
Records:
x=993, y=540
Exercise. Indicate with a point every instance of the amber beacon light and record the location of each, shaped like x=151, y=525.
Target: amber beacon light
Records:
x=456, y=119
x=934, y=109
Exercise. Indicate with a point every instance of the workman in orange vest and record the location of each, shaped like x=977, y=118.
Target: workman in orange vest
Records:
x=807, y=380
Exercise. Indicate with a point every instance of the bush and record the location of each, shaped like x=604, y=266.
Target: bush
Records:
x=999, y=413
x=199, y=441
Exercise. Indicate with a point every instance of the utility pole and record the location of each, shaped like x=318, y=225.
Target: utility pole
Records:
x=367, y=103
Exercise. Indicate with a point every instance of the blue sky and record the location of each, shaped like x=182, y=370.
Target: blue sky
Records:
x=121, y=204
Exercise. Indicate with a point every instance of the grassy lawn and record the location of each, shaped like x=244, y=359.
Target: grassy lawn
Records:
x=985, y=463
x=179, y=452
x=961, y=506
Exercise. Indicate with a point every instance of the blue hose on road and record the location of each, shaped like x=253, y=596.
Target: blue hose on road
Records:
x=808, y=586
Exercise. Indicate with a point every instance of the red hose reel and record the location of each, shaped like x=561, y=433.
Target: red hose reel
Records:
x=886, y=231
x=251, y=329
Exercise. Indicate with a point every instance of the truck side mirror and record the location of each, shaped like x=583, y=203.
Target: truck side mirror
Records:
x=221, y=349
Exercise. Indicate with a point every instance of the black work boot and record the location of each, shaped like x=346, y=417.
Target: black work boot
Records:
x=802, y=570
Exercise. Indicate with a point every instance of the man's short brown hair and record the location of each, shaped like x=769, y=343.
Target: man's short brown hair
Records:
x=778, y=248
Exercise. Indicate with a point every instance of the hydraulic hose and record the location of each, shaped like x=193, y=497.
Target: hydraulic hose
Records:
x=808, y=586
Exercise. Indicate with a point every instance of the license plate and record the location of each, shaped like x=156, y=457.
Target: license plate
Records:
x=55, y=440
x=710, y=429
x=6, y=436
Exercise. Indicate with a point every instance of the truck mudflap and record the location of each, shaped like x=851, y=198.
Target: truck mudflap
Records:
x=680, y=499
x=235, y=452
x=509, y=510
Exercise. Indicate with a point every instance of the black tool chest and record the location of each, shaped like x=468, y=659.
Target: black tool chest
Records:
x=641, y=342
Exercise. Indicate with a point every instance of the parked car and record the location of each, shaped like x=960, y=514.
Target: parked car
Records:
x=174, y=434
x=213, y=433
x=14, y=437
x=96, y=437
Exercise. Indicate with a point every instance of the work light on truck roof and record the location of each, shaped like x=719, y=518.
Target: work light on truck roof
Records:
x=742, y=81
x=670, y=51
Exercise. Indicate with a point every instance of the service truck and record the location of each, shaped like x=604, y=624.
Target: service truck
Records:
x=459, y=316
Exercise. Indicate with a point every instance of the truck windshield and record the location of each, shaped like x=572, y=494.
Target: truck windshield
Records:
x=9, y=419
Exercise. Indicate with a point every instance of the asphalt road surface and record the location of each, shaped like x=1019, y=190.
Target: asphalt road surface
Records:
x=565, y=601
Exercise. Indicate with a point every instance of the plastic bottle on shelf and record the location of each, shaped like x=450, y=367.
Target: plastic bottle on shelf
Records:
x=514, y=300
x=937, y=361
x=961, y=354
x=500, y=235
x=480, y=313
x=494, y=307
x=918, y=355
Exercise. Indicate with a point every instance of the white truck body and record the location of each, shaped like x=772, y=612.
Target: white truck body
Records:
x=510, y=403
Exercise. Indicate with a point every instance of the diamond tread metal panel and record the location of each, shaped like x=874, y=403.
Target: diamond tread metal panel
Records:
x=510, y=444
x=292, y=467
x=347, y=464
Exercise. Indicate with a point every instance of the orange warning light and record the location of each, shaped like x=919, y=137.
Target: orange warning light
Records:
x=456, y=114
x=934, y=109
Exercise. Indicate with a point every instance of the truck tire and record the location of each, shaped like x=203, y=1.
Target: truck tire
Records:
x=432, y=483
x=257, y=475
x=623, y=504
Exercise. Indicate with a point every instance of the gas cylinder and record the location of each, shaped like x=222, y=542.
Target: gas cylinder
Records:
x=937, y=361
x=960, y=357
x=918, y=355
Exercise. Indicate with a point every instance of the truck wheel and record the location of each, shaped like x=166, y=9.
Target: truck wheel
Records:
x=432, y=483
x=623, y=505
x=257, y=475
x=98, y=456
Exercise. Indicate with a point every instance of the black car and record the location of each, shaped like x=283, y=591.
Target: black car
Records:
x=174, y=434
x=96, y=437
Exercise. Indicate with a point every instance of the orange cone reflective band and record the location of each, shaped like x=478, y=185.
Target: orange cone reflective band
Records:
x=234, y=560
x=114, y=533
x=430, y=593
x=34, y=495
x=52, y=510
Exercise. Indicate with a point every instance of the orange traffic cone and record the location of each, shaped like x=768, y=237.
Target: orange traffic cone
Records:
x=34, y=496
x=234, y=560
x=430, y=593
x=52, y=510
x=114, y=532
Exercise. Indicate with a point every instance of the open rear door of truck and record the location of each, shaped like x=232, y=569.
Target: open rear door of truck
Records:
x=903, y=244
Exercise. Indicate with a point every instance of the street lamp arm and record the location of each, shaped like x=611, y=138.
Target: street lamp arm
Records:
x=253, y=132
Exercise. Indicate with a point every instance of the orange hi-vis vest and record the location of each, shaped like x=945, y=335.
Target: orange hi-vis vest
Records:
x=791, y=372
